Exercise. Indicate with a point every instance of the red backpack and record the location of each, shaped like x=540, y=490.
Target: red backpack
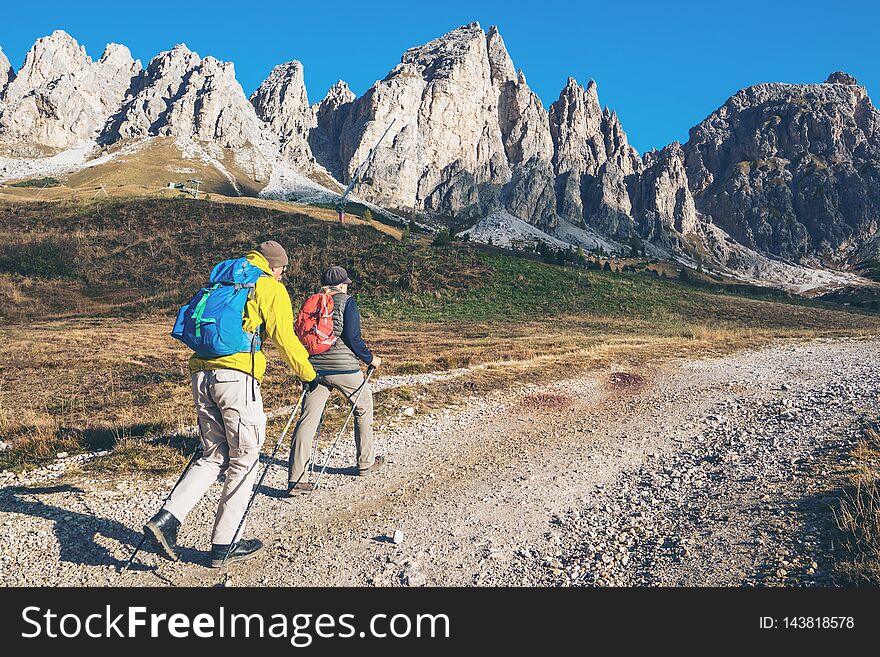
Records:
x=314, y=324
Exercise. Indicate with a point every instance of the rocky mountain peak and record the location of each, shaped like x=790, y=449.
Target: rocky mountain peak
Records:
x=284, y=87
x=839, y=77
x=445, y=153
x=179, y=58
x=575, y=126
x=60, y=98
x=592, y=161
x=211, y=66
x=438, y=58
x=162, y=83
x=523, y=122
x=281, y=101
x=7, y=74
x=48, y=59
x=116, y=53
x=117, y=70
x=331, y=115
x=338, y=94
x=663, y=199
x=499, y=60
x=617, y=145
x=770, y=164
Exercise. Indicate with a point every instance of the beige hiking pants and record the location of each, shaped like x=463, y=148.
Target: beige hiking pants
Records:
x=233, y=427
x=313, y=407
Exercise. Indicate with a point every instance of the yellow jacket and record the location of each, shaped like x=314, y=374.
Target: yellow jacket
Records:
x=269, y=307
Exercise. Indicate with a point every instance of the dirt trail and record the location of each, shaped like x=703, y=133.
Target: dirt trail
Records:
x=666, y=476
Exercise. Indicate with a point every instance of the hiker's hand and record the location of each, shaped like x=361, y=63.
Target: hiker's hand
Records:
x=314, y=383
x=376, y=361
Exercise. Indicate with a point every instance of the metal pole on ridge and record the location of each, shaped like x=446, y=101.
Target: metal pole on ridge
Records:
x=263, y=476
x=340, y=204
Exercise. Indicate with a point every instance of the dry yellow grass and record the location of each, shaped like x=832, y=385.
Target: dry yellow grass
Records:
x=147, y=172
x=95, y=381
x=858, y=515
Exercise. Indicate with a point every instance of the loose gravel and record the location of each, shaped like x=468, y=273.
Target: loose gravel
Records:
x=698, y=473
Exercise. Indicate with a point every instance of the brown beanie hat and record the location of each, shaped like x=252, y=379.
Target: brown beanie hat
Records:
x=274, y=253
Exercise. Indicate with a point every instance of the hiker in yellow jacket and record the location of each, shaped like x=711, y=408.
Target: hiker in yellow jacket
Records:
x=226, y=391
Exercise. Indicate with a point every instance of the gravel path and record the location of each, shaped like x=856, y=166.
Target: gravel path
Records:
x=698, y=473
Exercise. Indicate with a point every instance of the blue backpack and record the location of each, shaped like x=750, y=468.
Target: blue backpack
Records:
x=211, y=322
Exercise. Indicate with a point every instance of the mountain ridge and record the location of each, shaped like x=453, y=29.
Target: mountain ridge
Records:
x=471, y=139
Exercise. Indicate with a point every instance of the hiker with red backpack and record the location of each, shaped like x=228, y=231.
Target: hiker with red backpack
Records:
x=329, y=325
x=224, y=324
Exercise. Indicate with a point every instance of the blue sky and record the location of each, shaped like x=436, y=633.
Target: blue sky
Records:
x=663, y=66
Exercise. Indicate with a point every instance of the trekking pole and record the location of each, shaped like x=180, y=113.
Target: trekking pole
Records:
x=167, y=497
x=314, y=452
x=370, y=371
x=299, y=404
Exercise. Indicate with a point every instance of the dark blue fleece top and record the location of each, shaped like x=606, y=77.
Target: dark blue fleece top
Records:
x=351, y=331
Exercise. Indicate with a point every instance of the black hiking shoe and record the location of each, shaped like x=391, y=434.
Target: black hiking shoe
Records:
x=161, y=529
x=299, y=488
x=378, y=463
x=241, y=551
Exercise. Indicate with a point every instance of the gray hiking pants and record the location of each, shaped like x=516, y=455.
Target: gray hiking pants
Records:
x=233, y=427
x=313, y=408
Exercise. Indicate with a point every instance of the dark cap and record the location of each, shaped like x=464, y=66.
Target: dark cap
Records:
x=274, y=253
x=335, y=275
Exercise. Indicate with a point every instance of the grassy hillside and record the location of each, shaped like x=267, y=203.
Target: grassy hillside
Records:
x=88, y=292
x=141, y=256
x=145, y=169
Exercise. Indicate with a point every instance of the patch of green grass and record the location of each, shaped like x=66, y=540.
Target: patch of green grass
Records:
x=518, y=289
x=411, y=367
x=360, y=210
x=134, y=257
x=46, y=181
x=46, y=258
x=870, y=269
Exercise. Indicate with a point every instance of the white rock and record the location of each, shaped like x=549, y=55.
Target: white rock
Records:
x=6, y=72
x=281, y=101
x=61, y=98
x=446, y=140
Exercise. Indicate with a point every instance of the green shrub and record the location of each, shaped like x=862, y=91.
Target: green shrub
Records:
x=443, y=238
x=40, y=258
x=46, y=181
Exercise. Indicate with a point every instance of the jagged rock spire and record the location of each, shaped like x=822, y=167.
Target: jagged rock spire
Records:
x=282, y=102
x=445, y=153
x=7, y=74
x=60, y=97
x=839, y=77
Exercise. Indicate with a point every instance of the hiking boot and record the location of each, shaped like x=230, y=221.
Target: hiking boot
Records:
x=161, y=529
x=241, y=551
x=378, y=463
x=299, y=488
